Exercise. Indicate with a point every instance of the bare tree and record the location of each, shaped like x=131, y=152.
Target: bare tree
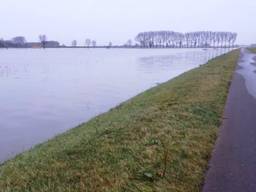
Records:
x=2, y=43
x=43, y=40
x=94, y=43
x=109, y=44
x=74, y=43
x=128, y=43
x=87, y=42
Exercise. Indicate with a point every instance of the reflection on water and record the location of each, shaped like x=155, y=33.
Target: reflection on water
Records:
x=162, y=62
x=46, y=92
x=247, y=69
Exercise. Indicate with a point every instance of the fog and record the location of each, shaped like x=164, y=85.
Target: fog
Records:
x=120, y=20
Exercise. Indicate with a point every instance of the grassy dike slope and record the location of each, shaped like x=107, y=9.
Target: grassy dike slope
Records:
x=253, y=50
x=160, y=140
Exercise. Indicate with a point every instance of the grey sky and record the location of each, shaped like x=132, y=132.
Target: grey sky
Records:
x=120, y=20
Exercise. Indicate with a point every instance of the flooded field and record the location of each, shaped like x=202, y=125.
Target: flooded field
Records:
x=46, y=92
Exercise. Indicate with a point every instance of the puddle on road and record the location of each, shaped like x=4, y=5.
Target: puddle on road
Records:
x=247, y=68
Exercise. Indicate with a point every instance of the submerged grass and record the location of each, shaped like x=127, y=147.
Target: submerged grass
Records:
x=160, y=140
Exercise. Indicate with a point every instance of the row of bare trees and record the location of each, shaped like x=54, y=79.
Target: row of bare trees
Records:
x=88, y=43
x=153, y=39
x=91, y=44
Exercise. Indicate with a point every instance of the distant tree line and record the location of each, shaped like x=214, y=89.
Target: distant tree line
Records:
x=15, y=42
x=20, y=42
x=173, y=39
x=150, y=39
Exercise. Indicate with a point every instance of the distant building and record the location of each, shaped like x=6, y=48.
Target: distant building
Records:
x=253, y=45
x=34, y=45
x=52, y=44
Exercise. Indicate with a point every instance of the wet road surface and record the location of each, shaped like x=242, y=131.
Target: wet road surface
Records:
x=233, y=164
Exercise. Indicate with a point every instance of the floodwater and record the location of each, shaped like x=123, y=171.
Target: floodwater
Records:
x=247, y=68
x=46, y=92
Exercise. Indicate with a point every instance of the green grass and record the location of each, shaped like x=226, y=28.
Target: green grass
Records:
x=161, y=140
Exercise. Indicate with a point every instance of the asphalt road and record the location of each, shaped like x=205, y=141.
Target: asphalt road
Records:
x=233, y=164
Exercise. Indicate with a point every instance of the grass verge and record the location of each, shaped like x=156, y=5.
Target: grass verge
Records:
x=160, y=140
x=253, y=50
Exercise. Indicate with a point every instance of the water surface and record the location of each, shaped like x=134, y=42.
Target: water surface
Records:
x=46, y=92
x=247, y=69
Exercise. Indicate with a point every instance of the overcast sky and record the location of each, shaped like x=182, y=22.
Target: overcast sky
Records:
x=120, y=20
